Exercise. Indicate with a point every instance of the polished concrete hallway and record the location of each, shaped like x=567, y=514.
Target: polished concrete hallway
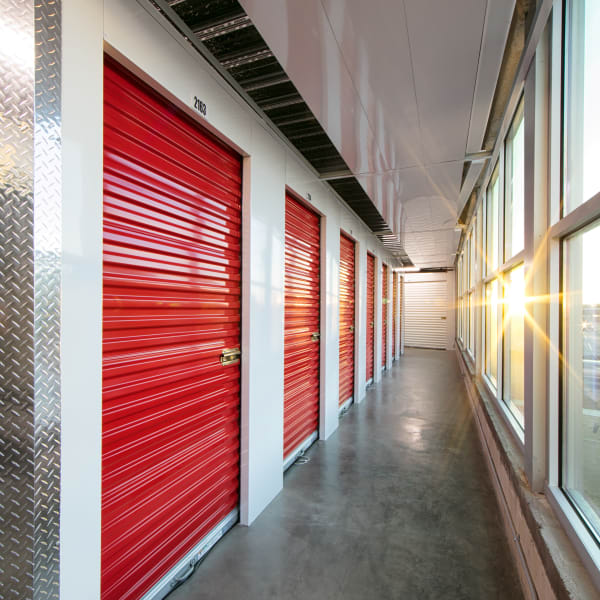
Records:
x=396, y=504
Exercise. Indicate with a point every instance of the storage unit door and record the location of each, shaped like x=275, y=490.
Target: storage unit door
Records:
x=346, y=318
x=384, y=311
x=400, y=312
x=171, y=410
x=394, y=312
x=370, y=314
x=302, y=325
x=426, y=303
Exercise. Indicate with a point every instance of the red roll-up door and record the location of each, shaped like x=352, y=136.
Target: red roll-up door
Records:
x=170, y=439
x=346, y=318
x=384, y=310
x=395, y=313
x=370, y=314
x=302, y=324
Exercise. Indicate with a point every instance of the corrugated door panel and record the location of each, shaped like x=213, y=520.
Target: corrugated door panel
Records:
x=426, y=303
x=346, y=318
x=384, y=310
x=370, y=314
x=394, y=312
x=170, y=440
x=302, y=308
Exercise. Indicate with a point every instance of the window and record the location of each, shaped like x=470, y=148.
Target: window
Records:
x=491, y=332
x=581, y=372
x=574, y=482
x=459, y=286
x=582, y=117
x=471, y=324
x=514, y=178
x=513, y=343
x=503, y=292
x=472, y=257
x=471, y=254
x=468, y=263
x=559, y=317
x=462, y=301
x=491, y=245
x=479, y=269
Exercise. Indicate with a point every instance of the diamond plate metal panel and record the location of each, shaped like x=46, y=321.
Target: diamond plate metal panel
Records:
x=46, y=295
x=16, y=303
x=29, y=299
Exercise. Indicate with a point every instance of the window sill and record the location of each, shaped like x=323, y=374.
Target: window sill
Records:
x=547, y=561
x=467, y=357
x=498, y=408
x=580, y=537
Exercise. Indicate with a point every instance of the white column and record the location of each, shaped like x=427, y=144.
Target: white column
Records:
x=81, y=310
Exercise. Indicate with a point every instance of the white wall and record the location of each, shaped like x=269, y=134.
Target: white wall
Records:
x=361, y=322
x=147, y=46
x=398, y=308
x=390, y=317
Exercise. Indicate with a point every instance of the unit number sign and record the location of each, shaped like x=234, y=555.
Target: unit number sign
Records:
x=200, y=106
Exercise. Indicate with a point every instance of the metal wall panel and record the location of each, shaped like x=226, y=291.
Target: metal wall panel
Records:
x=302, y=324
x=347, y=265
x=384, y=311
x=171, y=409
x=370, y=315
x=426, y=305
x=30, y=237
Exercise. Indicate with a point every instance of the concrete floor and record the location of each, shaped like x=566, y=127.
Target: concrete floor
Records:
x=397, y=504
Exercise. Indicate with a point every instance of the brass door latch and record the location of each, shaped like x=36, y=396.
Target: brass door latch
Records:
x=230, y=356
x=315, y=337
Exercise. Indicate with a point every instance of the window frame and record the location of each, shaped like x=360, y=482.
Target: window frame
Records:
x=587, y=543
x=518, y=117
x=496, y=175
x=543, y=88
x=562, y=226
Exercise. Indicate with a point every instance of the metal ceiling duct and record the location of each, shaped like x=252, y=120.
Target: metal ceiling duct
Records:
x=222, y=32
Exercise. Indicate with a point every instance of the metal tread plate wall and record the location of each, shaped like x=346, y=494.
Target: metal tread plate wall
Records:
x=370, y=315
x=384, y=311
x=347, y=307
x=302, y=324
x=172, y=260
x=30, y=297
x=426, y=304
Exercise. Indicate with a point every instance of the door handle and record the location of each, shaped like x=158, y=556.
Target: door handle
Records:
x=230, y=356
x=351, y=328
x=372, y=323
x=316, y=336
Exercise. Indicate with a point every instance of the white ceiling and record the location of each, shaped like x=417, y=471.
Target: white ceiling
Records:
x=404, y=89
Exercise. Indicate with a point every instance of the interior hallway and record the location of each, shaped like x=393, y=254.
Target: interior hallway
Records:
x=396, y=504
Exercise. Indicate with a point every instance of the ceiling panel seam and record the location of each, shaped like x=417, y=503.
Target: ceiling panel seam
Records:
x=337, y=43
x=412, y=75
x=415, y=166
